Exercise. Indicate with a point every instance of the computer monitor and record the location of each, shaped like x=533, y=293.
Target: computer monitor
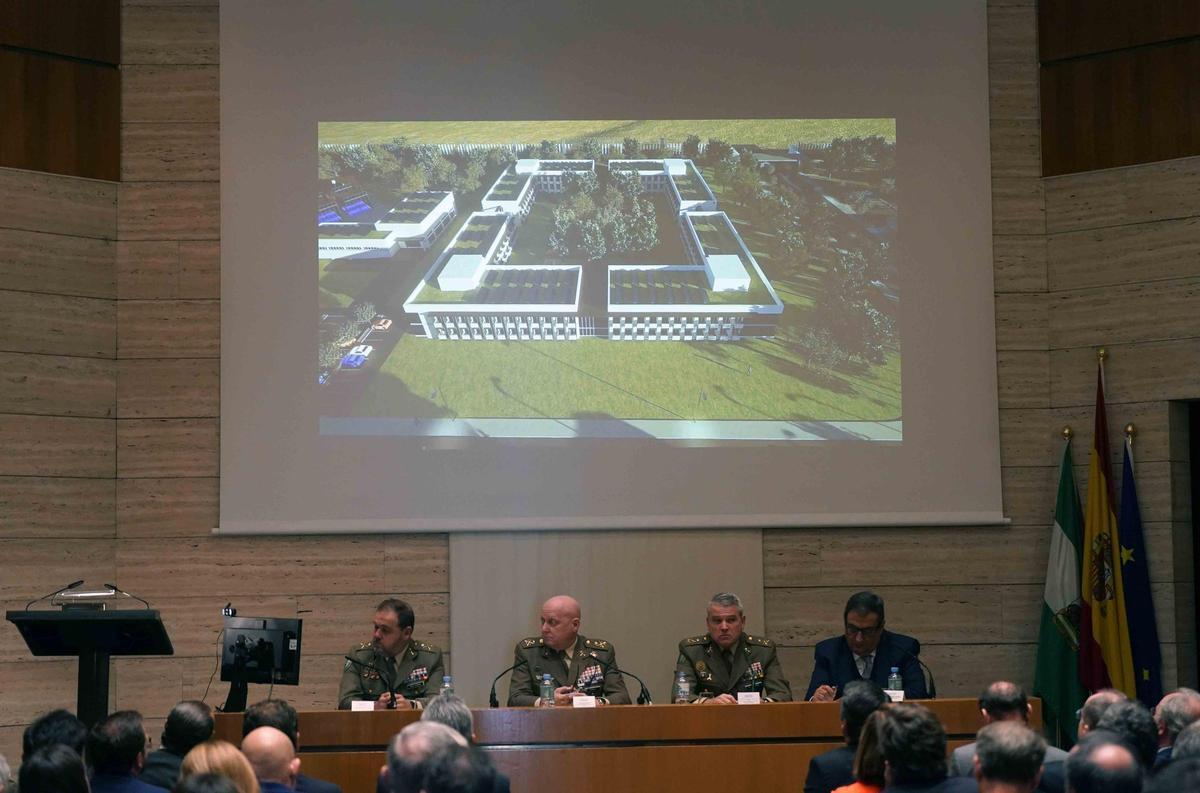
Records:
x=259, y=650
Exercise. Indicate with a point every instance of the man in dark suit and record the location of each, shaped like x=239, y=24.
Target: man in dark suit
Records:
x=279, y=713
x=273, y=759
x=914, y=750
x=116, y=752
x=865, y=652
x=189, y=723
x=1172, y=715
x=835, y=768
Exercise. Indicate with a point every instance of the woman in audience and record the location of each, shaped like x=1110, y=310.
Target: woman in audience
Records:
x=868, y=760
x=205, y=783
x=53, y=769
x=223, y=758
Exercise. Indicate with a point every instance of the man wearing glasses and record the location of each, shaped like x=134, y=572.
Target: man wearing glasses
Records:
x=865, y=652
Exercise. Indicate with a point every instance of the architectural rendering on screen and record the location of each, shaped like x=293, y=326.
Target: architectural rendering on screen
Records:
x=684, y=280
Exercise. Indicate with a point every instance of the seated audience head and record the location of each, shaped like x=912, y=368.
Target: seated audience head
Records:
x=1177, y=776
x=1187, y=743
x=914, y=745
x=1133, y=722
x=412, y=747
x=1002, y=701
x=272, y=756
x=222, y=758
x=450, y=710
x=277, y=713
x=860, y=698
x=205, y=783
x=1103, y=763
x=458, y=769
x=57, y=726
x=117, y=745
x=1174, y=712
x=189, y=723
x=863, y=620
x=55, y=768
x=869, y=766
x=1008, y=755
x=1095, y=706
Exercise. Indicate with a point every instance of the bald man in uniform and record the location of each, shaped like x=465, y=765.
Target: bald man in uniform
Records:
x=576, y=664
x=273, y=759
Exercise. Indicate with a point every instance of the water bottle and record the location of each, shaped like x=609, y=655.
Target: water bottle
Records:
x=895, y=682
x=447, y=686
x=547, y=691
x=683, y=688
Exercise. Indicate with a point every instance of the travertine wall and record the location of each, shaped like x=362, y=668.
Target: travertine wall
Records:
x=109, y=405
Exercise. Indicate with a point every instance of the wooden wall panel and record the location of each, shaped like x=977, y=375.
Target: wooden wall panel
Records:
x=1024, y=378
x=1125, y=314
x=173, y=269
x=169, y=328
x=177, y=507
x=90, y=31
x=56, y=446
x=33, y=507
x=1019, y=263
x=1022, y=322
x=1131, y=254
x=169, y=93
x=47, y=202
x=1080, y=27
x=57, y=264
x=1123, y=196
x=1135, y=373
x=57, y=324
x=166, y=447
x=173, y=387
x=169, y=211
x=170, y=35
x=57, y=385
x=170, y=152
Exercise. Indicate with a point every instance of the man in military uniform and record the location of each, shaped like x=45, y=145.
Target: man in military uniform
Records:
x=726, y=661
x=576, y=664
x=392, y=667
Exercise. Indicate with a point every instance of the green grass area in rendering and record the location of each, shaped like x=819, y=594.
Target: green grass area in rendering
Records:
x=340, y=281
x=507, y=188
x=689, y=186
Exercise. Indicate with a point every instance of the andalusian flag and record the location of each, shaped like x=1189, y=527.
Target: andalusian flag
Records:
x=1057, y=678
x=1139, y=606
x=1105, y=659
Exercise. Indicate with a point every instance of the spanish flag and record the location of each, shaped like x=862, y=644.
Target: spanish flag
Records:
x=1105, y=657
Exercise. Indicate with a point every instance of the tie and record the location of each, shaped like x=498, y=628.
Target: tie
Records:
x=868, y=663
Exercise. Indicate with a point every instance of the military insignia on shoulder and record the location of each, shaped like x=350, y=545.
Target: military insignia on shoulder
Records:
x=528, y=643
x=429, y=648
x=759, y=641
x=365, y=646
x=597, y=644
x=694, y=640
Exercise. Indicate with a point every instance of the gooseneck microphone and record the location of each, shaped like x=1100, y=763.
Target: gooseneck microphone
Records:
x=120, y=591
x=493, y=702
x=67, y=588
x=383, y=675
x=643, y=695
x=924, y=666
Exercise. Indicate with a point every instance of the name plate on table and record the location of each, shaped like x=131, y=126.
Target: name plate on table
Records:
x=583, y=701
x=362, y=704
x=749, y=698
x=894, y=696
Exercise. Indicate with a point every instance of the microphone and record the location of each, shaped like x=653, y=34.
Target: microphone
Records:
x=493, y=702
x=383, y=675
x=67, y=588
x=120, y=591
x=643, y=695
x=923, y=665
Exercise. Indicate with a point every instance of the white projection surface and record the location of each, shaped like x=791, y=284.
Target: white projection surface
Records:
x=549, y=265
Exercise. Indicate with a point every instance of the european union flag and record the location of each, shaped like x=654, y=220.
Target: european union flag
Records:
x=1139, y=606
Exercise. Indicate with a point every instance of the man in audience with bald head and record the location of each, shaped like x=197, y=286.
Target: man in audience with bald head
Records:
x=576, y=664
x=1173, y=713
x=1000, y=701
x=409, y=752
x=1094, y=708
x=1102, y=763
x=273, y=759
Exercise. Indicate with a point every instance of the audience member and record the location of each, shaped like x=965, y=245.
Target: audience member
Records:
x=835, y=768
x=189, y=723
x=205, y=783
x=1095, y=706
x=1103, y=763
x=458, y=769
x=54, y=768
x=223, y=758
x=1132, y=721
x=1173, y=713
x=411, y=748
x=869, y=766
x=1008, y=757
x=5, y=774
x=280, y=714
x=273, y=759
x=57, y=726
x=1000, y=701
x=914, y=747
x=453, y=712
x=1178, y=776
x=116, y=752
x=1187, y=744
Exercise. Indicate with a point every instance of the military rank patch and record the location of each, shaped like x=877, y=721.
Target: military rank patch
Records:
x=418, y=675
x=756, y=670
x=598, y=644
x=589, y=677
x=528, y=643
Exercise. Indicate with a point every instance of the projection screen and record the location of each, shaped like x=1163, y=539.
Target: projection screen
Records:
x=605, y=265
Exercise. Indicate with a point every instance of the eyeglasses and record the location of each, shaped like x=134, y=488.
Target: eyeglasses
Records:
x=853, y=630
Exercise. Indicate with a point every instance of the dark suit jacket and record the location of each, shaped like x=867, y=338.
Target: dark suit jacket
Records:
x=830, y=770
x=954, y=784
x=835, y=664
x=306, y=784
x=161, y=769
x=501, y=785
x=113, y=783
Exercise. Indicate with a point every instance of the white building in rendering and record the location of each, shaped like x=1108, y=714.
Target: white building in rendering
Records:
x=355, y=229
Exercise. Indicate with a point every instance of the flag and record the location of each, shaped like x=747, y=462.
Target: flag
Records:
x=1139, y=606
x=1105, y=659
x=1056, y=679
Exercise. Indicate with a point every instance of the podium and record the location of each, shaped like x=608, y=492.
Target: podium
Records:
x=93, y=636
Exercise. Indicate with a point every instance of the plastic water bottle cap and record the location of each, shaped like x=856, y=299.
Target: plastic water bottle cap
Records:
x=895, y=670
